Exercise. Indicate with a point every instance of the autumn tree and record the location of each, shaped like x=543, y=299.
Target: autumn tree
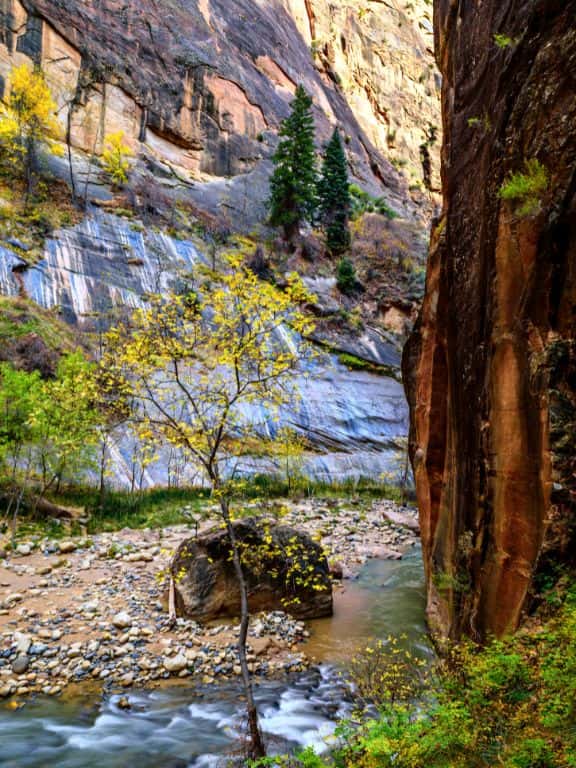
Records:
x=28, y=121
x=116, y=158
x=205, y=371
x=293, y=182
x=334, y=196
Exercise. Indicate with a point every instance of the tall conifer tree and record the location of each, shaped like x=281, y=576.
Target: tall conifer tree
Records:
x=293, y=187
x=334, y=196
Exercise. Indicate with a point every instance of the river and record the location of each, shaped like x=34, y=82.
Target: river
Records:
x=180, y=727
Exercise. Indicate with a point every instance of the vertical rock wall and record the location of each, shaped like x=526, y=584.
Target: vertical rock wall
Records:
x=491, y=368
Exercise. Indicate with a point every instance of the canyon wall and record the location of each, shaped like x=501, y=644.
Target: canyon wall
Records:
x=201, y=86
x=491, y=368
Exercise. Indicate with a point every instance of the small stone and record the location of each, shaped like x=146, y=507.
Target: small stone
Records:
x=23, y=643
x=137, y=557
x=20, y=665
x=127, y=680
x=124, y=703
x=38, y=649
x=122, y=620
x=66, y=546
x=23, y=549
x=14, y=597
x=175, y=663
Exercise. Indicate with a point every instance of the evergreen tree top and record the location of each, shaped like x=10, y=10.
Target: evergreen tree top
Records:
x=294, y=180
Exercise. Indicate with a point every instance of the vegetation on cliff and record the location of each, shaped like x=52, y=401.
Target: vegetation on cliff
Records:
x=293, y=186
x=334, y=196
x=28, y=122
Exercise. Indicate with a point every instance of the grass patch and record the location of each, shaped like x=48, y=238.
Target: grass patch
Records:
x=19, y=317
x=362, y=203
x=526, y=189
x=359, y=364
x=162, y=507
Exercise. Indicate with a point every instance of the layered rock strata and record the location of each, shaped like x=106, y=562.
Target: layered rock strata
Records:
x=202, y=85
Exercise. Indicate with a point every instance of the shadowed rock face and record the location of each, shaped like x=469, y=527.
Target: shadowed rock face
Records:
x=491, y=368
x=206, y=583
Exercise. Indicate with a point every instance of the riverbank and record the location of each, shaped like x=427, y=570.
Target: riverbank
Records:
x=91, y=608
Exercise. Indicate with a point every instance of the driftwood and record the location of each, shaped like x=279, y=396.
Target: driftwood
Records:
x=50, y=509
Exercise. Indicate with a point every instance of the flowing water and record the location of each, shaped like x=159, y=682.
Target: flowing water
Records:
x=180, y=727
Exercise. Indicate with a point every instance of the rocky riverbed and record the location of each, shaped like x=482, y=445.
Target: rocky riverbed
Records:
x=92, y=608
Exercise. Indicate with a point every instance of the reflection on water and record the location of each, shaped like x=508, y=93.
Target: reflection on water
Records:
x=181, y=728
x=387, y=598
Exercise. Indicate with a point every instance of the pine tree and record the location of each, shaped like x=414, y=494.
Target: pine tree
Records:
x=334, y=196
x=293, y=184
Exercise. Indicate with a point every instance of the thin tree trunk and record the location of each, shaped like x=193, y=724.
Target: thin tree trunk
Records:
x=257, y=748
x=69, y=148
x=102, y=483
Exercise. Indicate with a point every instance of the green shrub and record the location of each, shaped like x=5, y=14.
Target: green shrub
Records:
x=526, y=189
x=363, y=203
x=346, y=276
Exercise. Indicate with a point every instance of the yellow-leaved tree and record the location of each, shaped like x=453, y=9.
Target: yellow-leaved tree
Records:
x=116, y=158
x=28, y=121
x=205, y=371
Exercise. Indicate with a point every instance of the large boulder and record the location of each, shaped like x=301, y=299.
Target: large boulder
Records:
x=284, y=569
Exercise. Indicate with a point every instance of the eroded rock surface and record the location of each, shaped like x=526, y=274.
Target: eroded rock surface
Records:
x=284, y=570
x=491, y=368
x=200, y=86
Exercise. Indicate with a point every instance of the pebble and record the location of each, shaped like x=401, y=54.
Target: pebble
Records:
x=66, y=547
x=122, y=620
x=175, y=663
x=23, y=643
x=21, y=664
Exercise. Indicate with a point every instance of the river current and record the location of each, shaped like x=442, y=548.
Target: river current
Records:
x=185, y=727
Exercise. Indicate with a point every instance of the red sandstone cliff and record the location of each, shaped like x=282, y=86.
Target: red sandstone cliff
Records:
x=491, y=367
